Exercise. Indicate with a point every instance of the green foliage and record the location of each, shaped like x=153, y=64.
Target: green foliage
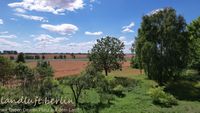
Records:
x=37, y=57
x=135, y=63
x=77, y=85
x=127, y=83
x=184, y=90
x=161, y=98
x=44, y=69
x=107, y=54
x=50, y=88
x=20, y=58
x=118, y=90
x=6, y=69
x=162, y=45
x=29, y=57
x=194, y=33
x=24, y=73
x=90, y=79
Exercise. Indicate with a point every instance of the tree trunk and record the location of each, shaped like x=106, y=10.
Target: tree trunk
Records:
x=106, y=72
x=76, y=102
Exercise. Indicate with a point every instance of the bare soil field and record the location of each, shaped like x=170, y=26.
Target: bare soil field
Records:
x=64, y=68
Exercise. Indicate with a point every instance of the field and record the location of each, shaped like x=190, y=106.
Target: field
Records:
x=137, y=100
x=74, y=67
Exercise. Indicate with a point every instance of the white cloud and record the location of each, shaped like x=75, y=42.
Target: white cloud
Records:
x=93, y=33
x=122, y=38
x=5, y=35
x=8, y=36
x=30, y=17
x=4, y=32
x=1, y=21
x=155, y=11
x=6, y=42
x=13, y=19
x=52, y=6
x=47, y=39
x=128, y=28
x=63, y=29
x=20, y=10
x=127, y=43
x=92, y=2
x=80, y=46
x=26, y=41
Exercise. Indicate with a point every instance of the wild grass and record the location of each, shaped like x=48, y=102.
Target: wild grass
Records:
x=137, y=100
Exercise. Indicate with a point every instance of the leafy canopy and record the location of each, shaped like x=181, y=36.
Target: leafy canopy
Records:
x=162, y=45
x=107, y=54
x=194, y=33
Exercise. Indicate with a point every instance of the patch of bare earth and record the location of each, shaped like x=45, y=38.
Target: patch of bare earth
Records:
x=64, y=68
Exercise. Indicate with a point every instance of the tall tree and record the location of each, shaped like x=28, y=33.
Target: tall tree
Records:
x=107, y=54
x=91, y=78
x=162, y=45
x=20, y=58
x=194, y=33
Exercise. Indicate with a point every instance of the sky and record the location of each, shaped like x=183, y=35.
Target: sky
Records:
x=55, y=26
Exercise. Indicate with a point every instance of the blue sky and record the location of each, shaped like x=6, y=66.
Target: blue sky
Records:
x=74, y=25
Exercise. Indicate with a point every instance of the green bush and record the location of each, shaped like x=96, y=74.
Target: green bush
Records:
x=118, y=90
x=135, y=63
x=127, y=83
x=161, y=98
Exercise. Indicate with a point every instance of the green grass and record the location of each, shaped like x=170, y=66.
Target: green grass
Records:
x=138, y=101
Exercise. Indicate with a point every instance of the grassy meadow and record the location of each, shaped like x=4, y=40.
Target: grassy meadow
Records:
x=137, y=100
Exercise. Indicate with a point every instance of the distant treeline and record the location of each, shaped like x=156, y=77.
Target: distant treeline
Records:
x=13, y=55
x=15, y=52
x=8, y=52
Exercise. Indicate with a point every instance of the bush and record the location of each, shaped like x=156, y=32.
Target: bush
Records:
x=37, y=57
x=127, y=83
x=29, y=57
x=55, y=57
x=6, y=69
x=118, y=90
x=161, y=98
x=44, y=69
x=135, y=63
x=20, y=58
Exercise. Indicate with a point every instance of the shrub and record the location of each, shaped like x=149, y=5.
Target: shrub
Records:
x=127, y=83
x=37, y=57
x=118, y=90
x=60, y=56
x=135, y=63
x=6, y=69
x=20, y=58
x=29, y=57
x=44, y=69
x=55, y=57
x=161, y=98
